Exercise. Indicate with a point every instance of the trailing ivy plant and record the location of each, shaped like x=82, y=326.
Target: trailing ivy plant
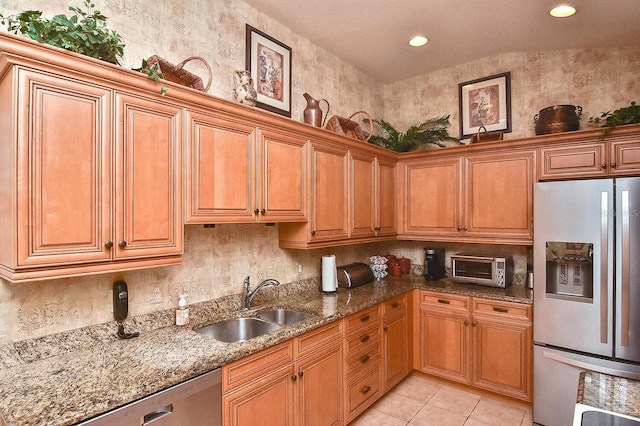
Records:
x=84, y=32
x=619, y=117
x=432, y=131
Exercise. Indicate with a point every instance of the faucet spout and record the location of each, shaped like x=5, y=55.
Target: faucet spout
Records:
x=249, y=294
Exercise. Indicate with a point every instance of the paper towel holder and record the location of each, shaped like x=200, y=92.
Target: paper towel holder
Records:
x=329, y=274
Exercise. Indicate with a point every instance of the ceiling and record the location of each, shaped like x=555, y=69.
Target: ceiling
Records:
x=373, y=35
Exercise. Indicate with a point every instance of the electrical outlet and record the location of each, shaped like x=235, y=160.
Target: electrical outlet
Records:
x=299, y=268
x=110, y=307
x=157, y=295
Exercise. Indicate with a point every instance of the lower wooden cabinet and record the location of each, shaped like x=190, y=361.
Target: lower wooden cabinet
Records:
x=482, y=342
x=395, y=353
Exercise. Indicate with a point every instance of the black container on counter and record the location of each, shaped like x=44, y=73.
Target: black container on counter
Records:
x=434, y=264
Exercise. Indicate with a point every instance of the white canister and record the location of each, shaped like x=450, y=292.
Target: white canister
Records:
x=329, y=274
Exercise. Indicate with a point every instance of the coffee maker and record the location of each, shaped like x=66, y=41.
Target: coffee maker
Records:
x=434, y=264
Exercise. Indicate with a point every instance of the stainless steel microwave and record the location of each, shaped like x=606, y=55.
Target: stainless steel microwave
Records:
x=487, y=270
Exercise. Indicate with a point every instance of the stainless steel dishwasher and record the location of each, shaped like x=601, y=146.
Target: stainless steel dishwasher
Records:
x=195, y=402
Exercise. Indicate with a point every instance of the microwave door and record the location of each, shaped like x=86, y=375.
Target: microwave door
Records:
x=628, y=269
x=573, y=265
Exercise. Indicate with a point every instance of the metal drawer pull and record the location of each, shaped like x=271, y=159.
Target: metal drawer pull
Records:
x=364, y=318
x=364, y=338
x=158, y=414
x=395, y=305
x=443, y=301
x=500, y=309
x=364, y=359
x=365, y=390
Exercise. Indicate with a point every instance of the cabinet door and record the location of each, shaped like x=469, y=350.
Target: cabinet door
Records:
x=362, y=194
x=502, y=354
x=396, y=349
x=220, y=170
x=573, y=161
x=444, y=344
x=281, y=178
x=266, y=402
x=624, y=157
x=386, y=197
x=319, y=387
x=148, y=209
x=329, y=206
x=433, y=197
x=499, y=196
x=64, y=170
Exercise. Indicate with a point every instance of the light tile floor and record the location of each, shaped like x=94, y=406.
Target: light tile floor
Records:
x=422, y=400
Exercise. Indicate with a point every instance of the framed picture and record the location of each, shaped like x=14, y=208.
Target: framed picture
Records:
x=269, y=62
x=485, y=102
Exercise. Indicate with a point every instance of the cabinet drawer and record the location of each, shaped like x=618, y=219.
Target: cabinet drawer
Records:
x=497, y=308
x=444, y=300
x=357, y=341
x=394, y=305
x=362, y=319
x=248, y=368
x=318, y=338
x=362, y=392
x=358, y=362
x=573, y=161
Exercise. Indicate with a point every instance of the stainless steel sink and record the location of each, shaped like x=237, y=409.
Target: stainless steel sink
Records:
x=238, y=329
x=284, y=316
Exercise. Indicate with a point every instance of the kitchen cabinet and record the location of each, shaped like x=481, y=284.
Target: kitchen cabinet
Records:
x=237, y=173
x=475, y=197
x=294, y=383
x=78, y=198
x=395, y=353
x=617, y=156
x=482, y=342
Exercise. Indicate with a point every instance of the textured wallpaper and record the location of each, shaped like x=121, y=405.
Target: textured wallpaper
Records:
x=217, y=260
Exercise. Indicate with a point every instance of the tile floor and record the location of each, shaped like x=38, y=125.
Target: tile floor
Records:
x=422, y=400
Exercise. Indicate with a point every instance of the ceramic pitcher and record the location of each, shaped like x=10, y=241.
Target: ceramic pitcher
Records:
x=244, y=90
x=313, y=113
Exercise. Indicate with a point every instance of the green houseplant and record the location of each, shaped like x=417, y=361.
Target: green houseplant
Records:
x=84, y=32
x=432, y=131
x=619, y=117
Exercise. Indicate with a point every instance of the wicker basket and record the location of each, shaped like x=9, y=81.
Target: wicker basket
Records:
x=176, y=74
x=486, y=136
x=349, y=128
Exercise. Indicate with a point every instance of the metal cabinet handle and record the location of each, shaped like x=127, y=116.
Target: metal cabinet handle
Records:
x=466, y=322
x=122, y=244
x=385, y=328
x=465, y=228
x=444, y=301
x=108, y=244
x=263, y=211
x=364, y=338
x=603, y=165
x=459, y=228
x=395, y=304
x=294, y=377
x=500, y=309
x=256, y=211
x=300, y=374
x=365, y=390
x=614, y=165
x=473, y=323
x=364, y=318
x=313, y=232
x=158, y=414
x=364, y=359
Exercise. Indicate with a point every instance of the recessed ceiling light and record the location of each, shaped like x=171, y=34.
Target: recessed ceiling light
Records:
x=562, y=11
x=418, y=41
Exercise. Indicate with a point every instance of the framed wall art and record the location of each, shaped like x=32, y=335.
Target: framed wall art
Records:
x=485, y=102
x=269, y=62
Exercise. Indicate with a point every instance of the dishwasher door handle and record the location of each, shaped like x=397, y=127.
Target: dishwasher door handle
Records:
x=158, y=414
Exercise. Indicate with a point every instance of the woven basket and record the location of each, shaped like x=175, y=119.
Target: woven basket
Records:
x=176, y=74
x=486, y=136
x=349, y=128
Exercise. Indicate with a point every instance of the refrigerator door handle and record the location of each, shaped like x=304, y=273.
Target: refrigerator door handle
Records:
x=567, y=359
x=604, y=273
x=626, y=271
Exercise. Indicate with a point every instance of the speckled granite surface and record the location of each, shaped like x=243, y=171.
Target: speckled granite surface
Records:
x=68, y=377
x=609, y=393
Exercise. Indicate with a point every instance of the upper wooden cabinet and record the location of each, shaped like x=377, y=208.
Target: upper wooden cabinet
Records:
x=618, y=156
x=237, y=173
x=476, y=197
x=77, y=198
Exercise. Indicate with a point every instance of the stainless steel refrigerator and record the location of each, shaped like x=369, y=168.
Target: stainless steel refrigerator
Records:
x=586, y=288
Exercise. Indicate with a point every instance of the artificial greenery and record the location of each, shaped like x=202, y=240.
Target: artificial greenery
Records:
x=84, y=32
x=431, y=131
x=619, y=117
x=153, y=72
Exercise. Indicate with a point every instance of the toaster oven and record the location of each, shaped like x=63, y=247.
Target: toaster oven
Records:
x=487, y=270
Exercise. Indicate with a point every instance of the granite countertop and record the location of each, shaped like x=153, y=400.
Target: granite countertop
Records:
x=610, y=393
x=69, y=377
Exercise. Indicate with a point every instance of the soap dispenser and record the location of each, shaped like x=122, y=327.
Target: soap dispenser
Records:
x=182, y=313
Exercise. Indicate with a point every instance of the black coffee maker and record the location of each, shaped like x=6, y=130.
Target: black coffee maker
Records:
x=434, y=264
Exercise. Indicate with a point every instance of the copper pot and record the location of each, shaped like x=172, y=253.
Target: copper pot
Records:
x=557, y=119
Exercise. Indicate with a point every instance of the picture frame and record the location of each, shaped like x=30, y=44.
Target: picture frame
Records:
x=269, y=62
x=485, y=102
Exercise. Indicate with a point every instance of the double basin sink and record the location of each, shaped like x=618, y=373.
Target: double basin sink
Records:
x=245, y=328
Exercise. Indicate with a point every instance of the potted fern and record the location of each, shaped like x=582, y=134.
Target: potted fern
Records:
x=84, y=32
x=432, y=131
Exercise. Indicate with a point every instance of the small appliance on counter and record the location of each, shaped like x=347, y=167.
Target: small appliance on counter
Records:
x=434, y=264
x=354, y=275
x=487, y=270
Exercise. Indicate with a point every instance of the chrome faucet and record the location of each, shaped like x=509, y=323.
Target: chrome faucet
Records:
x=248, y=293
